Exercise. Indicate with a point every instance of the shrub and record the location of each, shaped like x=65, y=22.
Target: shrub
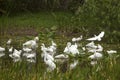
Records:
x=100, y=13
x=97, y=15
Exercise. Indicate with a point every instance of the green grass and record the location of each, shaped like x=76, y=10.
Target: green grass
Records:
x=109, y=68
x=46, y=23
x=40, y=19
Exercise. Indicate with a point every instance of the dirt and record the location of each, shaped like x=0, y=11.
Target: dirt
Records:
x=21, y=32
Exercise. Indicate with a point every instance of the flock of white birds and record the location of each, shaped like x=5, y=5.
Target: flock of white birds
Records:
x=49, y=54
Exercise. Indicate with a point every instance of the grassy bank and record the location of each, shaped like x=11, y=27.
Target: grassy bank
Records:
x=53, y=26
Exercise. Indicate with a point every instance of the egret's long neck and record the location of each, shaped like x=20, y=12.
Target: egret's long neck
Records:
x=45, y=56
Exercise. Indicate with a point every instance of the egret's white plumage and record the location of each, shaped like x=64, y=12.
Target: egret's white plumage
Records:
x=43, y=47
x=99, y=48
x=51, y=50
x=71, y=49
x=2, y=49
x=66, y=50
x=92, y=50
x=11, y=50
x=83, y=48
x=96, y=55
x=61, y=56
x=16, y=55
x=2, y=54
x=53, y=43
x=51, y=65
x=27, y=50
x=32, y=44
x=98, y=38
x=110, y=52
x=77, y=39
x=9, y=41
x=91, y=45
x=74, y=49
x=74, y=64
x=36, y=39
x=32, y=55
x=31, y=60
x=93, y=62
x=47, y=56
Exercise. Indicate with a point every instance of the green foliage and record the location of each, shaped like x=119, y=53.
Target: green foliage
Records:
x=99, y=13
x=9, y=7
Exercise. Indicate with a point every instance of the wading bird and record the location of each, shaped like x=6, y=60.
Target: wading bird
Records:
x=71, y=49
x=110, y=52
x=32, y=44
x=96, y=55
x=61, y=56
x=77, y=39
x=9, y=41
x=74, y=64
x=97, y=38
x=49, y=62
x=16, y=55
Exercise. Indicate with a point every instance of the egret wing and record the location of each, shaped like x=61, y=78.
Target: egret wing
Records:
x=91, y=39
x=101, y=34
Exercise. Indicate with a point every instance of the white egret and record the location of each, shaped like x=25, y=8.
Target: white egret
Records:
x=51, y=50
x=96, y=55
x=74, y=49
x=61, y=56
x=51, y=65
x=53, y=43
x=71, y=49
x=2, y=49
x=98, y=38
x=92, y=50
x=32, y=55
x=93, y=62
x=77, y=39
x=31, y=60
x=66, y=50
x=47, y=55
x=110, y=52
x=11, y=50
x=16, y=55
x=83, y=48
x=27, y=50
x=2, y=54
x=91, y=45
x=32, y=44
x=9, y=41
x=99, y=48
x=43, y=47
x=74, y=64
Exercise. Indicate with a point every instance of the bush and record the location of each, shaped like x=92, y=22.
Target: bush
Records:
x=97, y=15
x=100, y=13
x=94, y=16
